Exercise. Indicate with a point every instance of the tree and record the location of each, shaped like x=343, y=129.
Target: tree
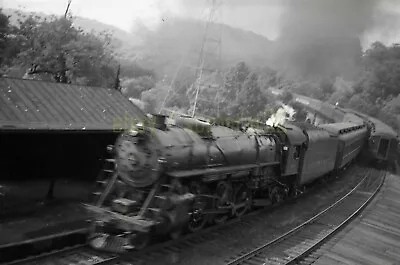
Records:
x=380, y=71
x=389, y=114
x=327, y=86
x=90, y=62
x=173, y=97
x=308, y=88
x=53, y=49
x=250, y=100
x=134, y=87
x=131, y=69
x=210, y=93
x=362, y=103
x=285, y=97
x=179, y=90
x=4, y=30
x=41, y=46
x=234, y=80
x=267, y=77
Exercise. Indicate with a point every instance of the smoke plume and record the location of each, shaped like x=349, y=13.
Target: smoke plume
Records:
x=282, y=115
x=323, y=37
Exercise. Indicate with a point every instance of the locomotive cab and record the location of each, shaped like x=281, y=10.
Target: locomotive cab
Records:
x=293, y=150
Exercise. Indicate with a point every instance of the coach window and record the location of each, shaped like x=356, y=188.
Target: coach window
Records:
x=296, y=153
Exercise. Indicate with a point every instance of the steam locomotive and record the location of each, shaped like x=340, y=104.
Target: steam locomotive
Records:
x=168, y=179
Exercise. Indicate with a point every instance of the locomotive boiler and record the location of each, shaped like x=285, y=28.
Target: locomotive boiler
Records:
x=171, y=179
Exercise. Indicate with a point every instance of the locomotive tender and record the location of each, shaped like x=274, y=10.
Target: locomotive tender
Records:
x=170, y=179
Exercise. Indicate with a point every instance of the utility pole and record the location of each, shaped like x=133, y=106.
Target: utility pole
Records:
x=61, y=78
x=66, y=11
x=117, y=84
x=210, y=53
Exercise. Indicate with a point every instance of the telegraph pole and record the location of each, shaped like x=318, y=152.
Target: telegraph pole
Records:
x=61, y=79
x=117, y=82
x=66, y=11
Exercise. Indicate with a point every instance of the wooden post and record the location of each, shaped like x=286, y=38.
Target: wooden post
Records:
x=117, y=84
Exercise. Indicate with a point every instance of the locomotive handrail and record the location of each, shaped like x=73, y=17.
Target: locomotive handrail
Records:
x=148, y=199
x=210, y=171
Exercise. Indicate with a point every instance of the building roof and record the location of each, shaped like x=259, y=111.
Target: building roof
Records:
x=378, y=127
x=326, y=110
x=39, y=105
x=342, y=127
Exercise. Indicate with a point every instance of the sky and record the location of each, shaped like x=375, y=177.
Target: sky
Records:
x=260, y=16
x=123, y=13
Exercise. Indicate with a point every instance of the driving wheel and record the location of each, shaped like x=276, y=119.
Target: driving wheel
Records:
x=224, y=194
x=197, y=217
x=243, y=197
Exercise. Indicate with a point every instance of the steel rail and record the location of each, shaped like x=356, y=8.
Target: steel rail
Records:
x=256, y=253
x=339, y=227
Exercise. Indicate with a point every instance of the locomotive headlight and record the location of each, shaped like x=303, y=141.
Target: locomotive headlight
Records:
x=285, y=148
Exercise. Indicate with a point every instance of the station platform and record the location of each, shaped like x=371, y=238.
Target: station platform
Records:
x=28, y=215
x=374, y=236
x=51, y=219
x=31, y=223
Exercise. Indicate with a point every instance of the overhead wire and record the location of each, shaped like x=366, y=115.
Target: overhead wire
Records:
x=184, y=57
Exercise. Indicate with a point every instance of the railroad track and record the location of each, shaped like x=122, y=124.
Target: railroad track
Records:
x=84, y=255
x=298, y=245
x=79, y=255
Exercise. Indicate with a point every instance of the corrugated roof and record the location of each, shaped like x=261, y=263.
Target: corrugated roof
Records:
x=342, y=127
x=328, y=111
x=378, y=126
x=39, y=105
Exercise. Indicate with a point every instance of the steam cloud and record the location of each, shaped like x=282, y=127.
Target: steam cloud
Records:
x=323, y=37
x=283, y=114
x=317, y=38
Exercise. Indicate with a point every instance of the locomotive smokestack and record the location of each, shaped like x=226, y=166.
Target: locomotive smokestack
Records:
x=159, y=121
